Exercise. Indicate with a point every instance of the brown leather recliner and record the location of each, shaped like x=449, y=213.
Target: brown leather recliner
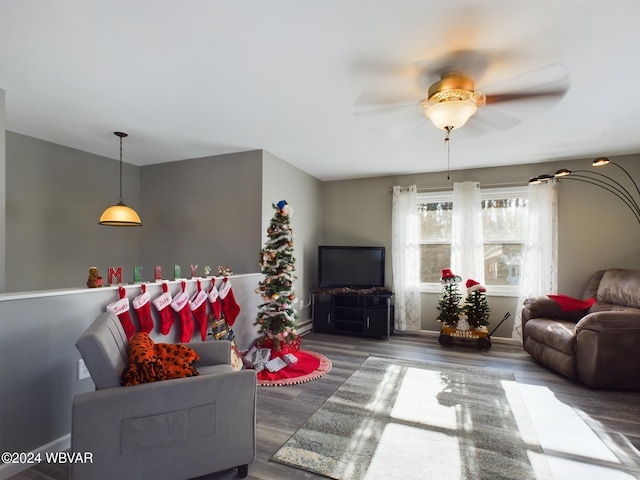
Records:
x=600, y=346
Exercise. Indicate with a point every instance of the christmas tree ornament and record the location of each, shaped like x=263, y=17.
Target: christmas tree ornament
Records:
x=121, y=308
x=180, y=305
x=142, y=306
x=162, y=304
x=198, y=307
x=230, y=307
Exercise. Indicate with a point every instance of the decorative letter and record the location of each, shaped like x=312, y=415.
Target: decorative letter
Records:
x=117, y=273
x=137, y=274
x=158, y=274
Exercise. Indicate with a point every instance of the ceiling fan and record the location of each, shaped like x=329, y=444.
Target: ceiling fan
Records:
x=446, y=93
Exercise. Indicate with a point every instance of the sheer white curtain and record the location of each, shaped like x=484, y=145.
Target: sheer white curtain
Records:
x=467, y=245
x=405, y=250
x=540, y=258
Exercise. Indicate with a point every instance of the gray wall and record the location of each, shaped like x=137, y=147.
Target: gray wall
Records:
x=54, y=198
x=596, y=230
x=281, y=181
x=3, y=194
x=204, y=211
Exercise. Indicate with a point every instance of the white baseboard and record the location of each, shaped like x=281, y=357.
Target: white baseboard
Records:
x=8, y=470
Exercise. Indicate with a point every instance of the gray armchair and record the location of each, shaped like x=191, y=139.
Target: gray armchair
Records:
x=172, y=429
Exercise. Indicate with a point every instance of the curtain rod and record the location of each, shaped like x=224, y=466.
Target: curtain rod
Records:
x=486, y=185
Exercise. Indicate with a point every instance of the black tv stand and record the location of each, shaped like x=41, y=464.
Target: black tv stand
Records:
x=353, y=312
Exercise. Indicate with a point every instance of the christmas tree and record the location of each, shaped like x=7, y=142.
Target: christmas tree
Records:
x=276, y=315
x=476, y=306
x=449, y=302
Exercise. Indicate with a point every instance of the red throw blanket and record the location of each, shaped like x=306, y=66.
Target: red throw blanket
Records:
x=568, y=304
x=153, y=362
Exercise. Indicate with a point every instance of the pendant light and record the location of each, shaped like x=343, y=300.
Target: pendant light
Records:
x=119, y=215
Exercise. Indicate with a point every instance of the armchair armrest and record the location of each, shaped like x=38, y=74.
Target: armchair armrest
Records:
x=212, y=352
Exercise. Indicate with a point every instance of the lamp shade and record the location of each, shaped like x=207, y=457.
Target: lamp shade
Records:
x=451, y=113
x=119, y=215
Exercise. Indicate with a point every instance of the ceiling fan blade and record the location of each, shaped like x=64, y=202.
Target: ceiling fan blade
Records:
x=495, y=118
x=369, y=101
x=514, y=97
x=395, y=122
x=472, y=63
x=546, y=81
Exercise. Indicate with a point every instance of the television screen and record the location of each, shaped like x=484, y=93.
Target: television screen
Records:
x=354, y=267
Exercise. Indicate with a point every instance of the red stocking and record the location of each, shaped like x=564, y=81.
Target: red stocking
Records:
x=121, y=309
x=229, y=306
x=198, y=307
x=162, y=304
x=180, y=305
x=142, y=307
x=214, y=300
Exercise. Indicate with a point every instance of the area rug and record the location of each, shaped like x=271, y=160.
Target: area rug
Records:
x=310, y=366
x=397, y=419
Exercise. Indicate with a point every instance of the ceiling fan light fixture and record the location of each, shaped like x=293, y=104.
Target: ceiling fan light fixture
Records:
x=119, y=215
x=452, y=113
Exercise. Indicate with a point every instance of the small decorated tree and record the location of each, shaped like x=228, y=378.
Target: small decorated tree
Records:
x=449, y=302
x=276, y=316
x=476, y=306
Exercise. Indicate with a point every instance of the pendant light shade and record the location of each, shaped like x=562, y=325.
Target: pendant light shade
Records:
x=119, y=215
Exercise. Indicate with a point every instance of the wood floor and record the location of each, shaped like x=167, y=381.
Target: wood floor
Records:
x=586, y=434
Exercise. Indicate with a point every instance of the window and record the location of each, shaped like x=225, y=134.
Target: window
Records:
x=503, y=212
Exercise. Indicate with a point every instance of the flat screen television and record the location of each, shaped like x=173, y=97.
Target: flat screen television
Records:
x=352, y=267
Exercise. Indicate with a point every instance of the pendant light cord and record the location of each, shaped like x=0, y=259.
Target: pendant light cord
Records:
x=121, y=198
x=121, y=135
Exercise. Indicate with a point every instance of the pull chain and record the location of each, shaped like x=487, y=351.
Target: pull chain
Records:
x=446, y=141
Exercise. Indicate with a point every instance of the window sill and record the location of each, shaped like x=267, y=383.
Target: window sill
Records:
x=492, y=290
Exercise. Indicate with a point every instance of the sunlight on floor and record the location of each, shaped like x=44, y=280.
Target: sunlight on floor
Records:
x=417, y=454
x=424, y=385
x=572, y=448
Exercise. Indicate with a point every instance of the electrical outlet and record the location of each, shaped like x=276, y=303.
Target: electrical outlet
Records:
x=83, y=372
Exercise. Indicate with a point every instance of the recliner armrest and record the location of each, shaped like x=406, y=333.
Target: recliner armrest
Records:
x=546, y=307
x=610, y=321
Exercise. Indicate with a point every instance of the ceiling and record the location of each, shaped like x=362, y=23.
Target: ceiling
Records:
x=188, y=79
